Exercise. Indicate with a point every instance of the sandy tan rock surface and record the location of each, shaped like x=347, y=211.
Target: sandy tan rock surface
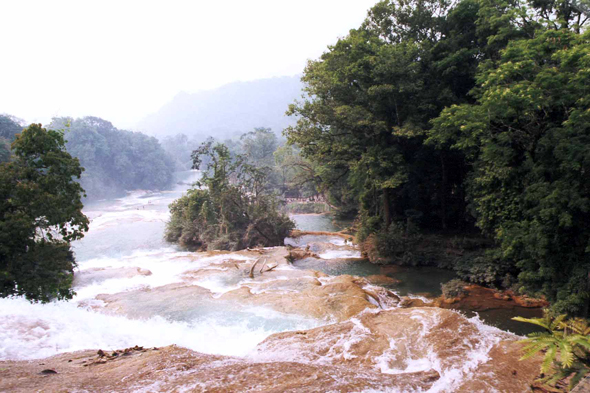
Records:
x=401, y=350
x=174, y=369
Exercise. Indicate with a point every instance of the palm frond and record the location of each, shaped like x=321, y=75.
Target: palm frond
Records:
x=551, y=379
x=533, y=349
x=580, y=340
x=566, y=356
x=566, y=343
x=549, y=359
x=535, y=321
x=557, y=322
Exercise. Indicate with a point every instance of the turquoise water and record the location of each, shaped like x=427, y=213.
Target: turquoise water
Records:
x=416, y=281
x=425, y=281
x=314, y=222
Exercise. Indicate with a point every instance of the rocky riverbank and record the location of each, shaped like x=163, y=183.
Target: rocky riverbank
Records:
x=380, y=350
x=367, y=341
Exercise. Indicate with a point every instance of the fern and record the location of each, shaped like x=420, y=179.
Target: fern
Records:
x=566, y=347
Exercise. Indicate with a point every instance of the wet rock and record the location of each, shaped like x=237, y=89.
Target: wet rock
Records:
x=381, y=279
x=478, y=298
x=171, y=301
x=297, y=253
x=503, y=371
x=336, y=298
x=178, y=369
x=284, y=289
x=407, y=302
x=297, y=233
x=420, y=340
x=525, y=301
x=383, y=297
x=97, y=275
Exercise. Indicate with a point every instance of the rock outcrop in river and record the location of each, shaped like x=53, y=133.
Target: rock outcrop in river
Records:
x=271, y=326
x=371, y=343
x=400, y=350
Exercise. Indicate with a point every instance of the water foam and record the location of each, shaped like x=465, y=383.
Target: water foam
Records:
x=335, y=254
x=34, y=331
x=166, y=265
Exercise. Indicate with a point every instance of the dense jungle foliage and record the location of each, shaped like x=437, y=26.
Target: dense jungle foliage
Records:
x=233, y=206
x=467, y=117
x=9, y=128
x=40, y=214
x=114, y=160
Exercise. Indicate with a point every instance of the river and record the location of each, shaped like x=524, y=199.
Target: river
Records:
x=127, y=276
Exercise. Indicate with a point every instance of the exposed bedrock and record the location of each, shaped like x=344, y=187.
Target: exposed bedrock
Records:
x=174, y=369
x=99, y=274
x=401, y=341
x=402, y=350
x=307, y=293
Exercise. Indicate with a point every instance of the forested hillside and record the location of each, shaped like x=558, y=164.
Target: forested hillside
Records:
x=228, y=111
x=463, y=118
x=9, y=128
x=114, y=160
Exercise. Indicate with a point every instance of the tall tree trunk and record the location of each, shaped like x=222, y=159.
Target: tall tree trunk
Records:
x=443, y=193
x=586, y=301
x=387, y=207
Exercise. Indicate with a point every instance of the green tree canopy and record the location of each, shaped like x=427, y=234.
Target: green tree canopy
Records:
x=444, y=115
x=231, y=208
x=40, y=213
x=370, y=98
x=528, y=137
x=115, y=160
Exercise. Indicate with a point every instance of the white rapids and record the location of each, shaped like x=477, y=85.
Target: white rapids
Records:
x=124, y=251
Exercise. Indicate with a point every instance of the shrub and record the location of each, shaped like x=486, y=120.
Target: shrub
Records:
x=489, y=269
x=454, y=288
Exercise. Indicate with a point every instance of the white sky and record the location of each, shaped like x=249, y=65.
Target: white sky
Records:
x=121, y=60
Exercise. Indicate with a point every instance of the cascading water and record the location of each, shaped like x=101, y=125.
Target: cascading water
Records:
x=126, y=235
x=135, y=289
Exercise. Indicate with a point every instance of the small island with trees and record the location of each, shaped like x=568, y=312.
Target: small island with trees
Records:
x=453, y=135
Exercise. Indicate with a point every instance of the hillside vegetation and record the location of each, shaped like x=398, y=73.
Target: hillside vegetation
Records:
x=465, y=118
x=114, y=160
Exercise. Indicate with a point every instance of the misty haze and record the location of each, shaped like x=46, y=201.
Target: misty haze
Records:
x=320, y=196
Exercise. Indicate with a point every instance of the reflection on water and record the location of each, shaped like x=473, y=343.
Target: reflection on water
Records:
x=421, y=281
x=502, y=318
x=412, y=280
x=314, y=222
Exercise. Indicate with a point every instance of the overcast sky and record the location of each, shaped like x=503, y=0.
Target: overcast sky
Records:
x=123, y=59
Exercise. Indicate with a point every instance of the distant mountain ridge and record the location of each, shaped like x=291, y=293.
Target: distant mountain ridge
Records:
x=227, y=111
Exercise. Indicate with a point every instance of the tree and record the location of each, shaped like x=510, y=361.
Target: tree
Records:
x=259, y=146
x=369, y=101
x=115, y=160
x=297, y=176
x=528, y=138
x=10, y=126
x=232, y=207
x=40, y=214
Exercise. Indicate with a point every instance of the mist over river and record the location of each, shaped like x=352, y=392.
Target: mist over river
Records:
x=127, y=234
x=133, y=288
